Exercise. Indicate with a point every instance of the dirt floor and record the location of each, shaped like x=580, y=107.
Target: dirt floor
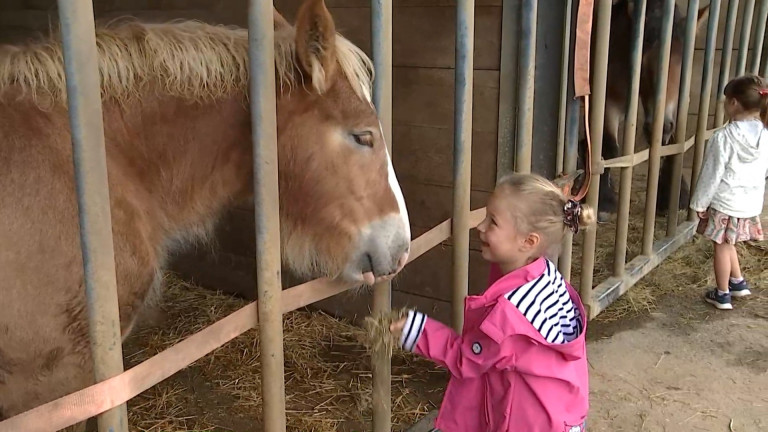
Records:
x=661, y=359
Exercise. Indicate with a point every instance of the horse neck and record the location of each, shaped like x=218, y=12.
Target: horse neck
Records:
x=189, y=160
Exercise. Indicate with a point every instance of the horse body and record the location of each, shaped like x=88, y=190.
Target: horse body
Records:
x=179, y=155
x=617, y=85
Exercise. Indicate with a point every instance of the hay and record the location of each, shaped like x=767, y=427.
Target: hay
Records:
x=378, y=337
x=327, y=372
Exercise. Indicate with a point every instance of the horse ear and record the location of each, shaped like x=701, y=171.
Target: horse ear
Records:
x=280, y=22
x=316, y=43
x=702, y=18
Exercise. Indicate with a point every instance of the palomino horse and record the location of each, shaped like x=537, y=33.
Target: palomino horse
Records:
x=619, y=72
x=179, y=154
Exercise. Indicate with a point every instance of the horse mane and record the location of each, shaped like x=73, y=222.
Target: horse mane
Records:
x=184, y=58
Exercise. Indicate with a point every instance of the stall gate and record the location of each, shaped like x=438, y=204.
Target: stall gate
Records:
x=115, y=387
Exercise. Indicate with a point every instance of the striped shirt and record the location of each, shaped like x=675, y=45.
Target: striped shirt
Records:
x=545, y=302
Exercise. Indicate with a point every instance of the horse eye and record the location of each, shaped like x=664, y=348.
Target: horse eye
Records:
x=364, y=139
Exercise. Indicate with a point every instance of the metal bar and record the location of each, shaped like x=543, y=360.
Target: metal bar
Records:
x=507, y=88
x=527, y=70
x=654, y=158
x=630, y=132
x=705, y=94
x=565, y=71
x=78, y=34
x=611, y=289
x=462, y=155
x=725, y=60
x=570, y=131
x=381, y=44
x=746, y=28
x=757, y=46
x=597, y=115
x=682, y=114
x=261, y=48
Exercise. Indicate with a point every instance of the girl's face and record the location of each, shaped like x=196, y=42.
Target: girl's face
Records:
x=502, y=243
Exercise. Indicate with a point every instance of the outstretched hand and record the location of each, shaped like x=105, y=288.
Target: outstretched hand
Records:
x=396, y=328
x=702, y=214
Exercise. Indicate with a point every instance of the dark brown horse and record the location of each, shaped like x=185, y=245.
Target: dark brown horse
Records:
x=619, y=72
x=179, y=155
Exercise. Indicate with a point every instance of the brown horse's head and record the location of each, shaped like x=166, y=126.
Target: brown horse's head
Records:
x=650, y=64
x=343, y=213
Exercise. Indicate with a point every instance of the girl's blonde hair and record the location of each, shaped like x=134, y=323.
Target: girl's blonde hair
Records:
x=539, y=206
x=751, y=92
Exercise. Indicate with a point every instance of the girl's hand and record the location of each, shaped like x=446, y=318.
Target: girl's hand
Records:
x=703, y=214
x=396, y=328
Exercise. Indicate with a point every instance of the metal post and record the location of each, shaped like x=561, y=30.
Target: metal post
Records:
x=597, y=115
x=568, y=128
x=746, y=28
x=527, y=72
x=261, y=45
x=706, y=92
x=381, y=44
x=78, y=34
x=507, y=87
x=757, y=46
x=630, y=129
x=682, y=115
x=564, y=79
x=725, y=60
x=654, y=157
x=462, y=155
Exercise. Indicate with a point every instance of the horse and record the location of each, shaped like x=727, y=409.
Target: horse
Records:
x=179, y=155
x=622, y=28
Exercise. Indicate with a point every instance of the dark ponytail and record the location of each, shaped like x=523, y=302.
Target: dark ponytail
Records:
x=751, y=92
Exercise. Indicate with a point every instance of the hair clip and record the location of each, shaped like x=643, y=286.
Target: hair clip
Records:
x=763, y=91
x=571, y=213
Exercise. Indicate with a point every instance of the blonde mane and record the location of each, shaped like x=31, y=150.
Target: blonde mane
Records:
x=188, y=59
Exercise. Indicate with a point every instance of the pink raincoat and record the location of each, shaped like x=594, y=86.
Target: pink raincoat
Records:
x=504, y=375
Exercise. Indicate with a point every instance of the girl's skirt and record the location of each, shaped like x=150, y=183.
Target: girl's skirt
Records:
x=721, y=228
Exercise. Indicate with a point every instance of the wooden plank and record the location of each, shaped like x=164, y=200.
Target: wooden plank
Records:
x=429, y=205
x=424, y=97
x=425, y=154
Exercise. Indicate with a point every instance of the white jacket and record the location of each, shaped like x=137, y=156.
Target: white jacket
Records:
x=732, y=178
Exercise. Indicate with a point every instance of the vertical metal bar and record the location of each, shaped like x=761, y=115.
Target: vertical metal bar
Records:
x=630, y=129
x=746, y=28
x=597, y=117
x=654, y=158
x=261, y=48
x=564, y=75
x=682, y=114
x=527, y=71
x=705, y=94
x=757, y=46
x=568, y=136
x=381, y=44
x=725, y=60
x=89, y=156
x=462, y=155
x=507, y=88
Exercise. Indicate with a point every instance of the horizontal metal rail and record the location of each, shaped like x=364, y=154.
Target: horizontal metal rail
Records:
x=91, y=401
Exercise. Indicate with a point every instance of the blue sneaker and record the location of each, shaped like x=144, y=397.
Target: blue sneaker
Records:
x=718, y=300
x=740, y=289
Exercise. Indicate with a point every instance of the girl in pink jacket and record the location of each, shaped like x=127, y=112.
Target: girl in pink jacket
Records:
x=520, y=363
